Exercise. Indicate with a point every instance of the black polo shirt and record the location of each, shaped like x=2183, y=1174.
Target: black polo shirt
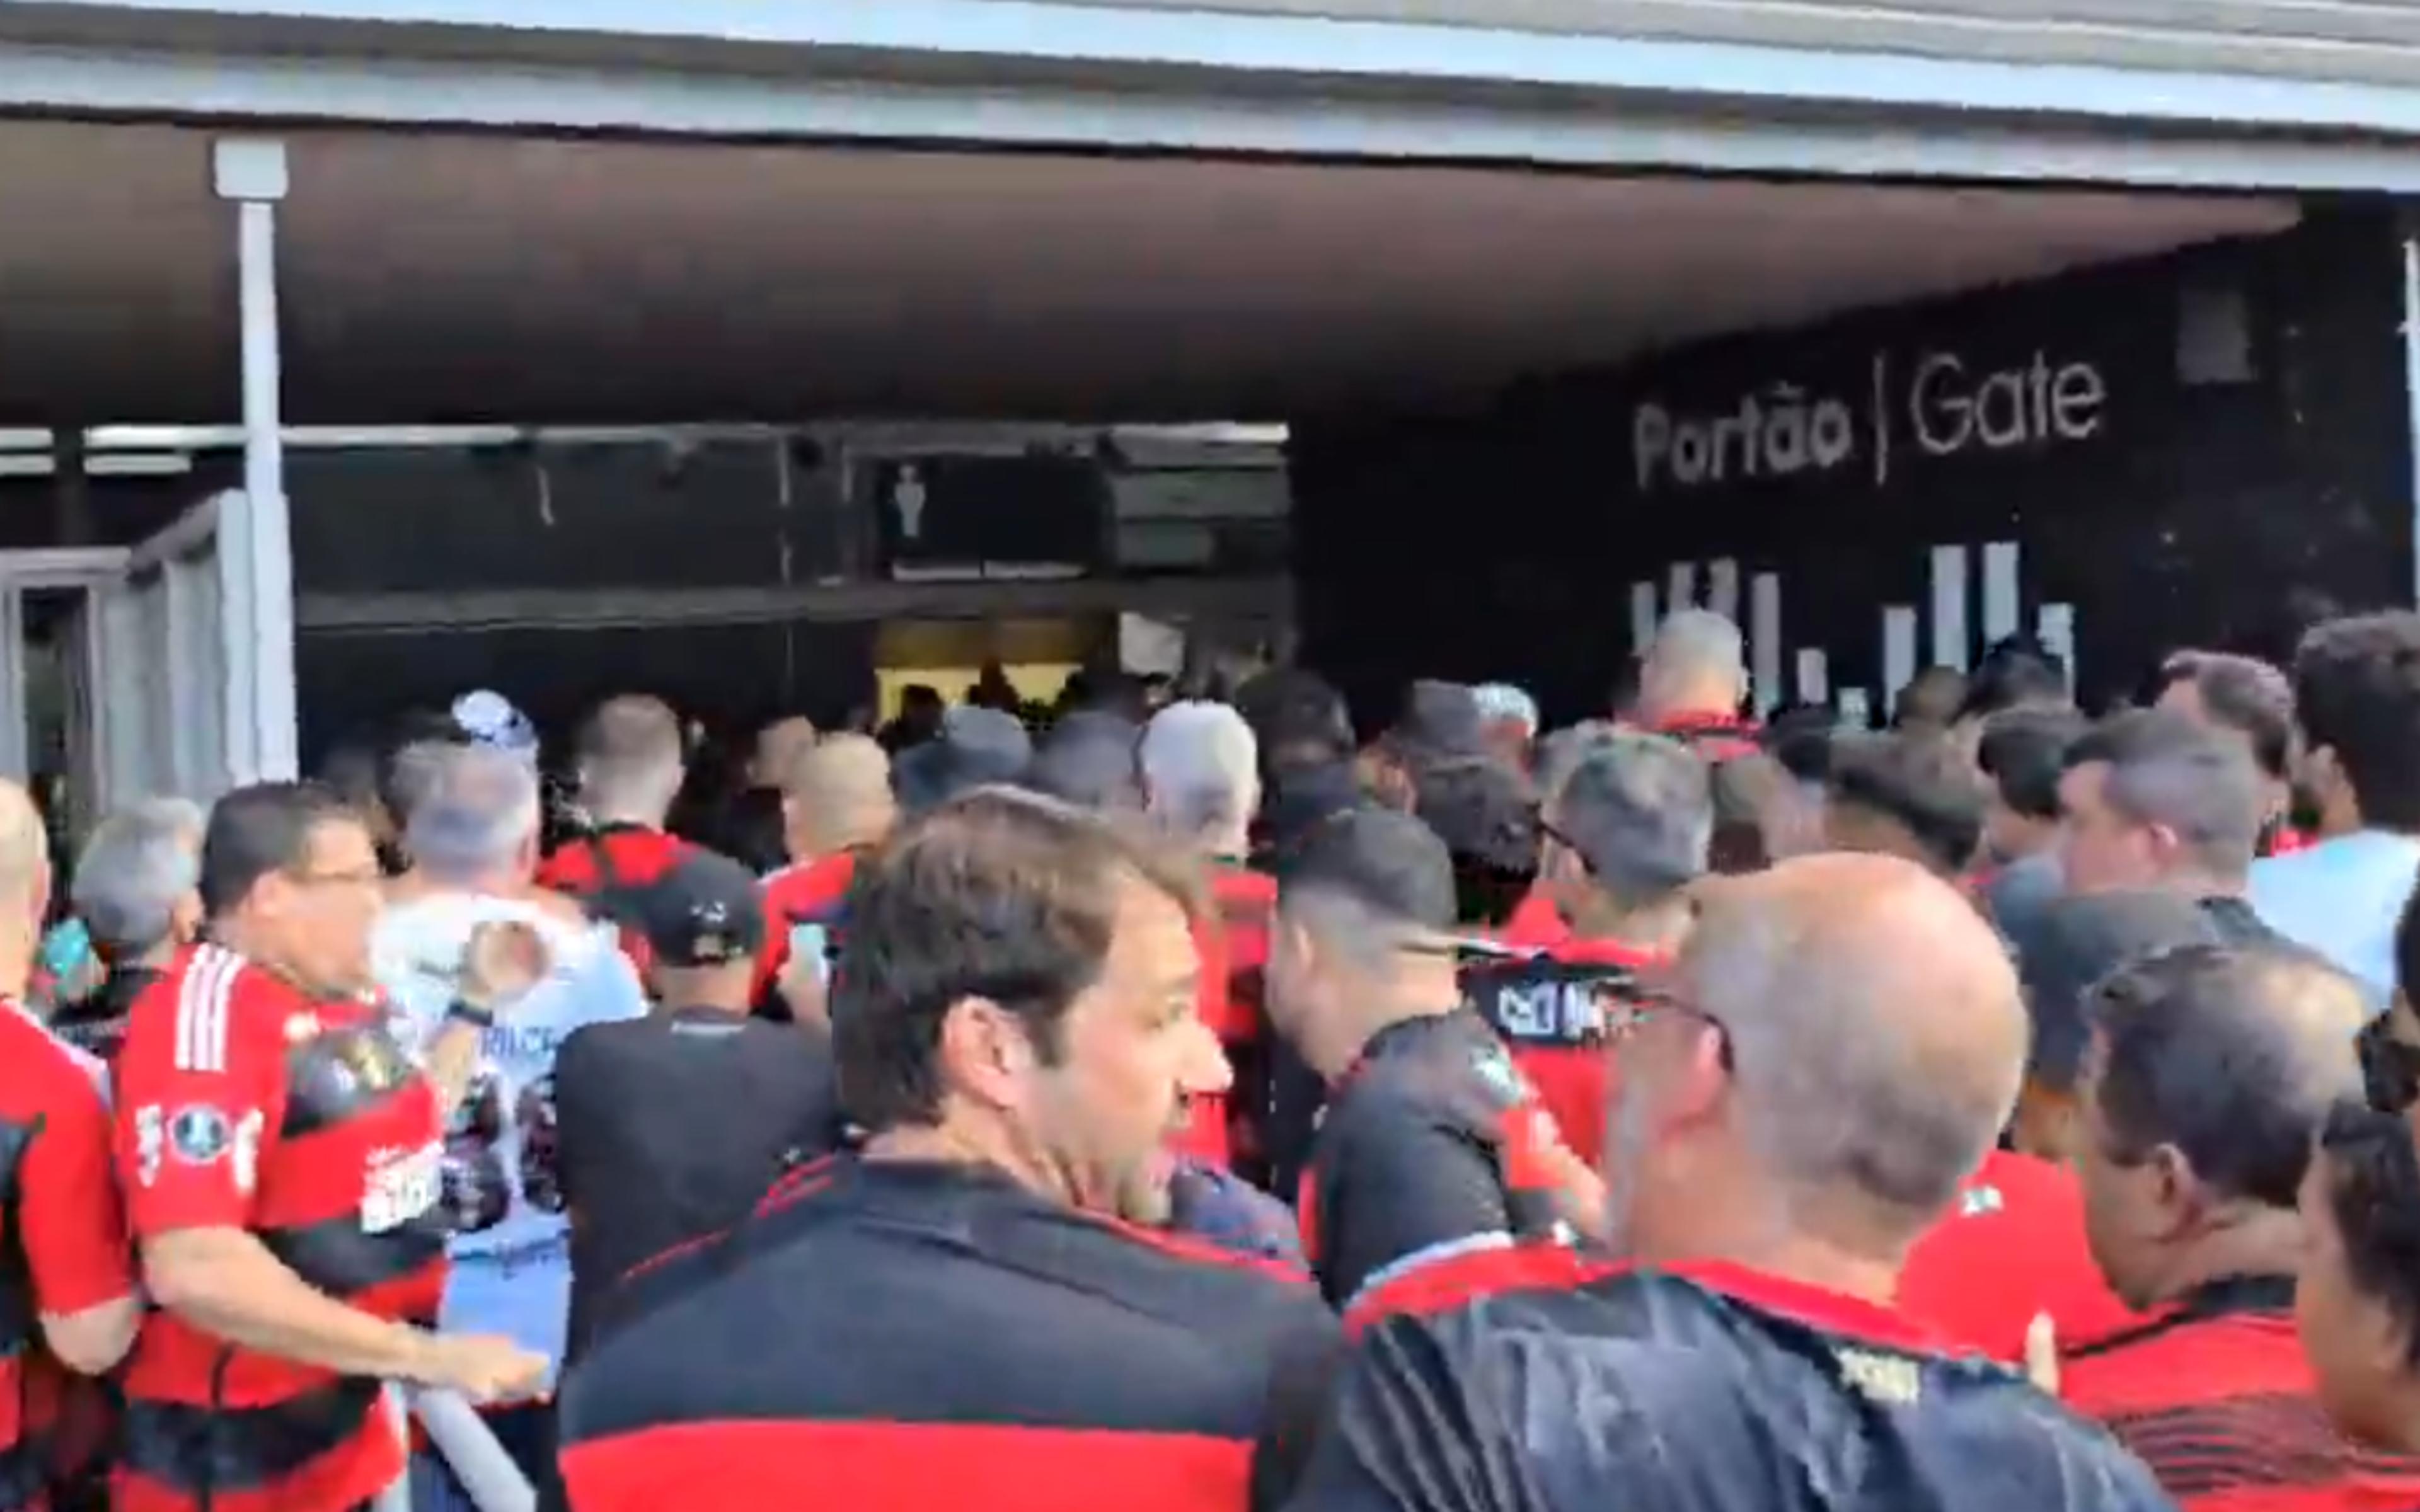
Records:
x=673, y=1127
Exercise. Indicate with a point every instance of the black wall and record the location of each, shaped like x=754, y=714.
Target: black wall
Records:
x=2169, y=512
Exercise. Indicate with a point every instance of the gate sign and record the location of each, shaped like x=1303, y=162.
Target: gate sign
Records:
x=1940, y=405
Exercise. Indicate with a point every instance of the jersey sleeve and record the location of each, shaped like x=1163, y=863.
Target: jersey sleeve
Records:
x=1407, y=1186
x=72, y=1215
x=201, y=1094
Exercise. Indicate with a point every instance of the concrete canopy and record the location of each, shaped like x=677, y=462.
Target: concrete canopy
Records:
x=440, y=277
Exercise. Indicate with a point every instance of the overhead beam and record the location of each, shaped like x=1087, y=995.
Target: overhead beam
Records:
x=637, y=608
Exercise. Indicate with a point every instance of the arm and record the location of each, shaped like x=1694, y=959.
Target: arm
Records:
x=1405, y=1186
x=224, y=1281
x=74, y=1234
x=1307, y=1359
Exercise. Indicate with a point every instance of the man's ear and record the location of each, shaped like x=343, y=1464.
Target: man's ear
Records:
x=2177, y=1194
x=984, y=1052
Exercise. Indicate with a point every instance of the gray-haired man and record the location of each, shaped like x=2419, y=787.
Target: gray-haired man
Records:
x=136, y=892
x=473, y=834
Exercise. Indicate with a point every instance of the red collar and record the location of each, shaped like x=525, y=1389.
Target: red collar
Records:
x=1818, y=1307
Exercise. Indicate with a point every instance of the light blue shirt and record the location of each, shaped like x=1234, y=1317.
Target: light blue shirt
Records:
x=2342, y=898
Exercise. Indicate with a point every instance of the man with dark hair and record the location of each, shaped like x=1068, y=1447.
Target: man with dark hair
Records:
x=1627, y=833
x=952, y=1311
x=2013, y=1248
x=670, y=1127
x=2252, y=701
x=1833, y=1052
x=2153, y=799
x=2016, y=673
x=2023, y=753
x=1482, y=807
x=2357, y=698
x=1432, y=1141
x=2211, y=1071
x=1910, y=795
x=2357, y=1294
x=1930, y=700
x=281, y=1156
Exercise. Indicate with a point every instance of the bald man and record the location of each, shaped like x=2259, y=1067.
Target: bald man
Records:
x=837, y=804
x=2209, y=1074
x=65, y=1257
x=1838, y=1045
x=1692, y=681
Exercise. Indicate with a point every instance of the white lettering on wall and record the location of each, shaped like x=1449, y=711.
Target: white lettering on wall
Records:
x=1949, y=408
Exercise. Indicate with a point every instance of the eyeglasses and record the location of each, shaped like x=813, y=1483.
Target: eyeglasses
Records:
x=1663, y=998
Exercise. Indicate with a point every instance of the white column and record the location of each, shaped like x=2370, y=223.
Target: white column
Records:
x=262, y=742
x=2411, y=390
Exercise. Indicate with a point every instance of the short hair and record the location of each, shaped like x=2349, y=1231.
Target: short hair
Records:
x=2015, y=672
x=2357, y=692
x=2407, y=949
x=2244, y=694
x=997, y=894
x=2165, y=769
x=2024, y=751
x=258, y=829
x=1088, y=760
x=1800, y=738
x=1561, y=751
x=400, y=767
x=134, y=868
x=1701, y=641
x=478, y=807
x=1918, y=781
x=2373, y=1190
x=625, y=739
x=1297, y=716
x=2198, y=1053
x=1200, y=762
x=1931, y=700
x=1639, y=810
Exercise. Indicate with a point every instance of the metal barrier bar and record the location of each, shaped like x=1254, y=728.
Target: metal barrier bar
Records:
x=469, y=1449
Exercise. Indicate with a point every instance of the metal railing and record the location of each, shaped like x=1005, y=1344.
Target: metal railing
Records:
x=467, y=1446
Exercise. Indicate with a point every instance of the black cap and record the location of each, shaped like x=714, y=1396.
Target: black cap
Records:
x=706, y=911
x=2069, y=947
x=1387, y=862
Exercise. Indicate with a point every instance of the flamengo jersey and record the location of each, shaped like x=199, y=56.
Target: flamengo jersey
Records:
x=803, y=904
x=1550, y=1008
x=512, y=1243
x=62, y=1226
x=890, y=1337
x=245, y=1103
x=1702, y=1387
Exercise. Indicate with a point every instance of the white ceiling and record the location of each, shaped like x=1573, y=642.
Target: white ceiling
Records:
x=450, y=278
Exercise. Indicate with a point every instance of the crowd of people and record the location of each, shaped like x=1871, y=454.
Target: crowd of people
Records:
x=1182, y=1103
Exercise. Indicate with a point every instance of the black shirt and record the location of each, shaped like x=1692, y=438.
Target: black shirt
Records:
x=1422, y=1146
x=672, y=1127
x=97, y=1026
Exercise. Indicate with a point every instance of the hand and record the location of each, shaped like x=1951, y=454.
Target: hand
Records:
x=802, y=986
x=504, y=959
x=2041, y=1354
x=484, y=1367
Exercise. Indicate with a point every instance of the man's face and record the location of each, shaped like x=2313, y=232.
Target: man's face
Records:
x=2124, y=1205
x=2100, y=849
x=317, y=915
x=2355, y=1344
x=1133, y=1056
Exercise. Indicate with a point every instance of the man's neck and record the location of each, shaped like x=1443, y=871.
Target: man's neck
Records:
x=2196, y=884
x=622, y=816
x=1655, y=927
x=1693, y=706
x=1417, y=995
x=1778, y=1249
x=953, y=1144
x=2262, y=1241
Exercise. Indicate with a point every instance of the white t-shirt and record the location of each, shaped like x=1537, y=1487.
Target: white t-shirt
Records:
x=511, y=1250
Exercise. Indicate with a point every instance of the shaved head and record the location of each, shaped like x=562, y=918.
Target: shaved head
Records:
x=837, y=794
x=1877, y=1033
x=779, y=746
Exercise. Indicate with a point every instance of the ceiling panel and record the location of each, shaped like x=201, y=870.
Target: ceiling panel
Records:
x=440, y=278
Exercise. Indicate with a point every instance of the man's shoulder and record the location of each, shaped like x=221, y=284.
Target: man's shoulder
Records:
x=208, y=999
x=1656, y=1376
x=38, y=1070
